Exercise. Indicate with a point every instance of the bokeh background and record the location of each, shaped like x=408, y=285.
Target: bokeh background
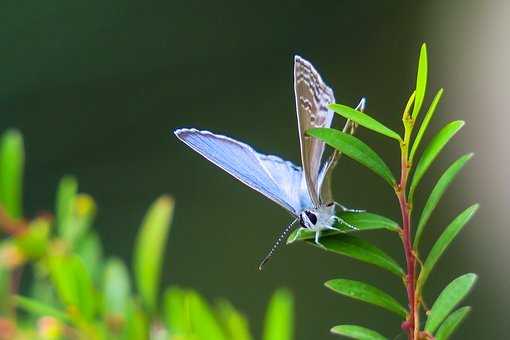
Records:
x=96, y=87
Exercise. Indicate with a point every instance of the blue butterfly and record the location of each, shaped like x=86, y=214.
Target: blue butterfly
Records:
x=304, y=192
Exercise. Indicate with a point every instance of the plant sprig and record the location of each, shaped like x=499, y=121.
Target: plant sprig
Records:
x=441, y=322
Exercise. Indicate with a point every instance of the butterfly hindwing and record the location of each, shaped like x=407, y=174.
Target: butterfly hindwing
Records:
x=312, y=99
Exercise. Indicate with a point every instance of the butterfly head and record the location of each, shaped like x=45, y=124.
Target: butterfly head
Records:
x=308, y=219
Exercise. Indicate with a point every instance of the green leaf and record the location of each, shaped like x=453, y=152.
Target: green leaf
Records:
x=66, y=195
x=354, y=148
x=436, y=194
x=366, y=293
x=357, y=332
x=37, y=308
x=425, y=124
x=279, y=321
x=116, y=289
x=443, y=242
x=452, y=323
x=235, y=324
x=73, y=283
x=431, y=152
x=34, y=242
x=137, y=326
x=448, y=300
x=361, y=250
x=12, y=159
x=421, y=80
x=89, y=250
x=149, y=249
x=176, y=313
x=364, y=120
x=203, y=322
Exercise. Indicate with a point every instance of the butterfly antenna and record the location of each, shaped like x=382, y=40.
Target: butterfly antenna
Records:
x=278, y=243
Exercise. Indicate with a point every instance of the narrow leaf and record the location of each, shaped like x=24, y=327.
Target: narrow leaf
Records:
x=203, y=322
x=432, y=150
x=421, y=80
x=448, y=300
x=364, y=120
x=279, y=321
x=176, y=313
x=234, y=323
x=436, y=194
x=452, y=323
x=38, y=309
x=361, y=250
x=137, y=325
x=149, y=249
x=66, y=195
x=12, y=159
x=425, y=124
x=366, y=293
x=116, y=289
x=354, y=148
x=443, y=242
x=357, y=332
x=363, y=221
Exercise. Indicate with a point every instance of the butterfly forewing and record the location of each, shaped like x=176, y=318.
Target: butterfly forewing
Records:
x=312, y=99
x=273, y=177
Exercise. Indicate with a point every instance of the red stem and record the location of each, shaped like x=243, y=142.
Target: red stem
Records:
x=411, y=324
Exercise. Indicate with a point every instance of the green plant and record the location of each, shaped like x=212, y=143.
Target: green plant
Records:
x=77, y=293
x=440, y=322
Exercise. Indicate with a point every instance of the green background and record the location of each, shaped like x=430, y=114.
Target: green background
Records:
x=97, y=87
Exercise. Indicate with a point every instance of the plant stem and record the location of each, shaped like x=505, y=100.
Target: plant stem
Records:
x=412, y=324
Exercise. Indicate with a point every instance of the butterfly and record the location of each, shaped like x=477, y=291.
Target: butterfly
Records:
x=305, y=192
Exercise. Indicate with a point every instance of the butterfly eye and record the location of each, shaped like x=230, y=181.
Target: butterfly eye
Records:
x=311, y=216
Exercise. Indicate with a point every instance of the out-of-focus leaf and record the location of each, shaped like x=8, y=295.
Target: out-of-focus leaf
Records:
x=421, y=80
x=73, y=283
x=443, y=242
x=88, y=248
x=39, y=309
x=66, y=196
x=116, y=289
x=84, y=212
x=357, y=332
x=452, y=323
x=354, y=148
x=425, y=124
x=448, y=300
x=279, y=321
x=359, y=249
x=364, y=120
x=33, y=243
x=176, y=312
x=149, y=249
x=432, y=150
x=436, y=194
x=235, y=324
x=366, y=293
x=203, y=322
x=12, y=159
x=363, y=221
x=137, y=325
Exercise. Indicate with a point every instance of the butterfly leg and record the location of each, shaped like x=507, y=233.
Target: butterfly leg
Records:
x=340, y=220
x=297, y=235
x=344, y=208
x=317, y=236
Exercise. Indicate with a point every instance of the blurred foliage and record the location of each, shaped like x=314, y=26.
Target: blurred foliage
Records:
x=77, y=293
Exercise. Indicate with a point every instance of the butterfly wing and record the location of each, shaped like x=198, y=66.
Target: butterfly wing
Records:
x=273, y=177
x=312, y=98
